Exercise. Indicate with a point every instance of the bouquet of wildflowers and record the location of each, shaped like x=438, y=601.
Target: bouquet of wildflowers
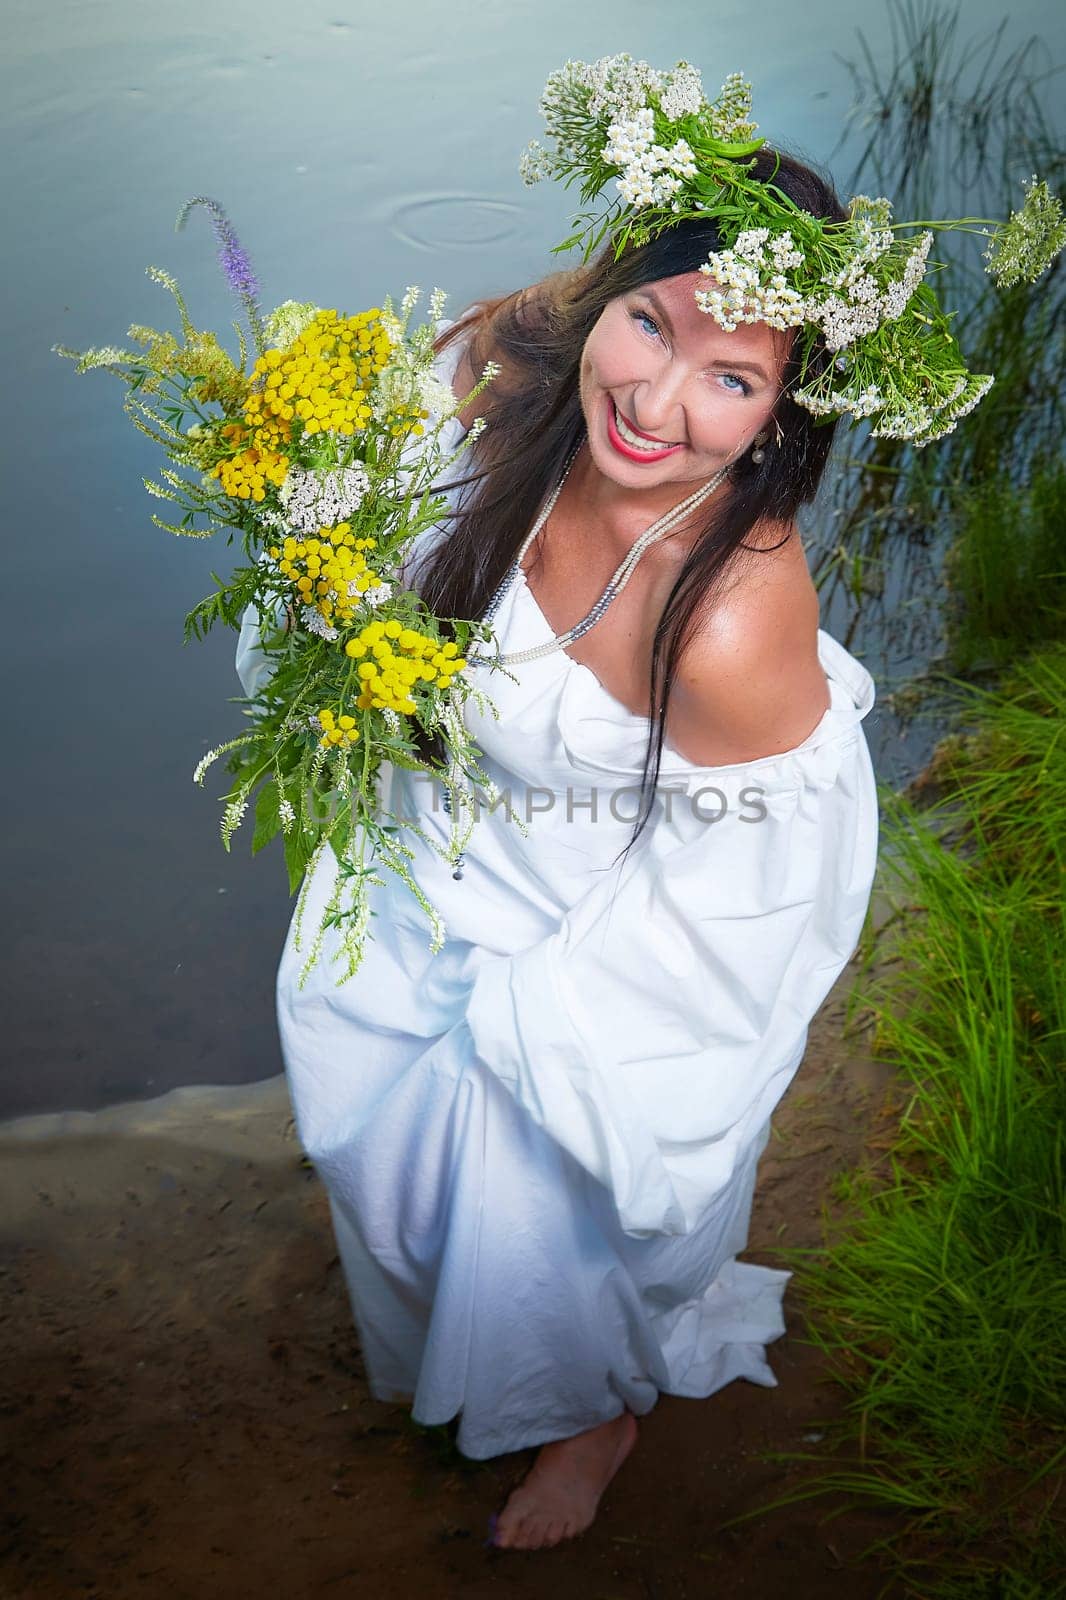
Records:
x=855, y=289
x=320, y=459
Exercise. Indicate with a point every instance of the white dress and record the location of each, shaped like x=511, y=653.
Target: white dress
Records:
x=540, y=1144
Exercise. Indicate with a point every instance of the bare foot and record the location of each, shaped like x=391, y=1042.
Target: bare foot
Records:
x=559, y=1496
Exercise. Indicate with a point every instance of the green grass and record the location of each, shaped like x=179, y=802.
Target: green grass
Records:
x=940, y=1300
x=1007, y=568
x=939, y=1295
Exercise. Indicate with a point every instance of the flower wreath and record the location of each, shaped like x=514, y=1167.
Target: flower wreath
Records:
x=855, y=288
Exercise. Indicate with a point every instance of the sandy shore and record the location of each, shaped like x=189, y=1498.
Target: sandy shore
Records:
x=185, y=1411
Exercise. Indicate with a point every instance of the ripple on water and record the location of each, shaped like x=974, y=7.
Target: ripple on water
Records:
x=452, y=221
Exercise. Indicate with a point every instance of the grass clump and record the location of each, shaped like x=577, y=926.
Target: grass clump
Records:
x=940, y=1301
x=1007, y=569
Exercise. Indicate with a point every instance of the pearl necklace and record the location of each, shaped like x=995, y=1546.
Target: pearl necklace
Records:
x=615, y=584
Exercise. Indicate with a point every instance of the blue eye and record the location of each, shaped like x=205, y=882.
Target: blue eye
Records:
x=745, y=388
x=642, y=316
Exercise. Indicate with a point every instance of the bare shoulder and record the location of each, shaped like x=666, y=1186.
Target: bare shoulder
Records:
x=750, y=683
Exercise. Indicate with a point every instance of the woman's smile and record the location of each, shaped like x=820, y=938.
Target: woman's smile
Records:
x=631, y=442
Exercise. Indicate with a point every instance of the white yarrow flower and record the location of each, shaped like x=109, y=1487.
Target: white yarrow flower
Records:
x=682, y=95
x=320, y=499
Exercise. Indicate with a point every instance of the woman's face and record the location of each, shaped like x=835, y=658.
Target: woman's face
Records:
x=668, y=396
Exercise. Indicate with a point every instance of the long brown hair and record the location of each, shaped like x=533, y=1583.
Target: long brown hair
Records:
x=535, y=419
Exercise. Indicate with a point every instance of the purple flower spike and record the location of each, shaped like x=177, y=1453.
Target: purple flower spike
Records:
x=234, y=261
x=238, y=269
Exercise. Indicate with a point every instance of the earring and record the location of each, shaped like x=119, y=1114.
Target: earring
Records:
x=759, y=454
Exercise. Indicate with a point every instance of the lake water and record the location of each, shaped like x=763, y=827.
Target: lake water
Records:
x=358, y=148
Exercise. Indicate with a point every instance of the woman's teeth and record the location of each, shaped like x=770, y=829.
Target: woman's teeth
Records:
x=637, y=441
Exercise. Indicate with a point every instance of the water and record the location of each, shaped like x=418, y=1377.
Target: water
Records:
x=358, y=150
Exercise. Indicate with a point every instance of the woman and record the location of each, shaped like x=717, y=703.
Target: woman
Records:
x=540, y=1144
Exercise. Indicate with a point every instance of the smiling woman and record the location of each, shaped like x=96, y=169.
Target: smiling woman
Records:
x=718, y=627
x=540, y=1143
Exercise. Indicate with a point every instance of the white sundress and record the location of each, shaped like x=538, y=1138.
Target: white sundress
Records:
x=540, y=1144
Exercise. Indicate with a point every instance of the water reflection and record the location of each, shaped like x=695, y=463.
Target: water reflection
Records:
x=353, y=152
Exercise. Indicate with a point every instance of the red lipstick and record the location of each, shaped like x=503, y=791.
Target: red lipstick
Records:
x=627, y=450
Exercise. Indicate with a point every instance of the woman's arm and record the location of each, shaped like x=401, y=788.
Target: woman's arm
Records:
x=653, y=1033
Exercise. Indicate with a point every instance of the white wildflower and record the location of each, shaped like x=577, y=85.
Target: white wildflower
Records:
x=436, y=397
x=651, y=173
x=627, y=141
x=975, y=390
x=867, y=402
x=100, y=356
x=1027, y=244
x=286, y=815
x=233, y=814
x=784, y=252
x=534, y=164
x=315, y=499
x=208, y=760
x=964, y=396
x=615, y=85
x=877, y=213
x=315, y=622
x=682, y=93
x=395, y=388
x=269, y=518
x=895, y=302
x=914, y=271
x=843, y=322
x=749, y=243
x=749, y=289
x=864, y=290
x=392, y=327
x=731, y=112
x=285, y=324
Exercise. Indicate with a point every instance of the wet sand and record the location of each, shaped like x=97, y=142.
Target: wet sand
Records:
x=185, y=1412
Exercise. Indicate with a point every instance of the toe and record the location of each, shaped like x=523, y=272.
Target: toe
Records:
x=521, y=1534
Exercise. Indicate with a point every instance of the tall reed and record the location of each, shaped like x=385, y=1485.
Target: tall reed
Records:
x=954, y=128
